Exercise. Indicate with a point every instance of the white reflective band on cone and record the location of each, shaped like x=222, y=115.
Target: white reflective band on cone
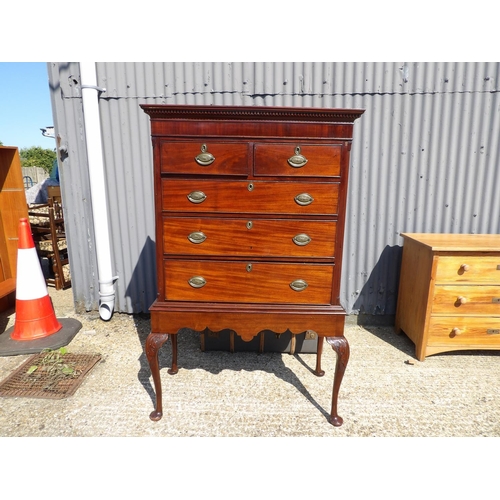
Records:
x=30, y=281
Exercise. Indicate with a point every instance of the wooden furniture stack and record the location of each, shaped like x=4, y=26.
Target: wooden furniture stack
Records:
x=250, y=211
x=49, y=235
x=12, y=208
x=449, y=292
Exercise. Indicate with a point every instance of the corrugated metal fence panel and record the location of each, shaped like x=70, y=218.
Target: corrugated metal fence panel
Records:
x=425, y=157
x=74, y=178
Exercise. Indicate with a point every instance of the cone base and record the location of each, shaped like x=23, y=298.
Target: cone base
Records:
x=35, y=319
x=10, y=347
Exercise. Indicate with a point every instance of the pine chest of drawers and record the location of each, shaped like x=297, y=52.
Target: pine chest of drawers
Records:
x=250, y=207
x=449, y=292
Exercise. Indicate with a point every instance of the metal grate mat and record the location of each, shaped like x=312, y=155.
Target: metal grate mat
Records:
x=19, y=384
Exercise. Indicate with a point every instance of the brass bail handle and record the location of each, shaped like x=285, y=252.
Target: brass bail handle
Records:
x=204, y=158
x=297, y=160
x=197, y=281
x=298, y=285
x=196, y=197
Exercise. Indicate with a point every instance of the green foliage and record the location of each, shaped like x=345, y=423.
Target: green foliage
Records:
x=37, y=157
x=1, y=143
x=52, y=369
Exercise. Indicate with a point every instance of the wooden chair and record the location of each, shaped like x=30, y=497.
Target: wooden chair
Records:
x=54, y=192
x=47, y=227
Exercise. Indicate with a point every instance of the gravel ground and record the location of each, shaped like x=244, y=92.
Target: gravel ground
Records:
x=386, y=392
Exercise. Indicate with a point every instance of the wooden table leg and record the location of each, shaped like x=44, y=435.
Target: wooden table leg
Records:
x=341, y=347
x=153, y=345
x=318, y=371
x=173, y=369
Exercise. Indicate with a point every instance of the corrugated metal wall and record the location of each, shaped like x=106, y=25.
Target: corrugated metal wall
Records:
x=425, y=158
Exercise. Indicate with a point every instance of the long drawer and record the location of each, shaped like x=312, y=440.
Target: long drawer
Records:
x=249, y=282
x=260, y=197
x=297, y=160
x=466, y=299
x=248, y=237
x=464, y=330
x=468, y=269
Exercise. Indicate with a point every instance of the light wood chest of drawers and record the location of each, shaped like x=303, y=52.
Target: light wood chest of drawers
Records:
x=250, y=210
x=449, y=292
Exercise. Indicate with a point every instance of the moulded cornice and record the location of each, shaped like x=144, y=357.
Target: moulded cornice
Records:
x=265, y=113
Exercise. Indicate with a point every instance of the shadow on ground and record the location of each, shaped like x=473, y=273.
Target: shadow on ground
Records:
x=191, y=357
x=403, y=343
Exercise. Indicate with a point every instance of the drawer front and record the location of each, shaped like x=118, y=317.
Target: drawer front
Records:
x=205, y=158
x=468, y=269
x=297, y=160
x=246, y=197
x=466, y=299
x=249, y=282
x=466, y=331
x=249, y=237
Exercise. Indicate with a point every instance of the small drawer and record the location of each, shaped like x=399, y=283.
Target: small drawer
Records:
x=297, y=160
x=466, y=299
x=249, y=237
x=205, y=158
x=464, y=331
x=248, y=282
x=247, y=197
x=468, y=269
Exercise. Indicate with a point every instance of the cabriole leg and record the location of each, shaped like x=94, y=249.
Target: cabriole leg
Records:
x=341, y=347
x=153, y=345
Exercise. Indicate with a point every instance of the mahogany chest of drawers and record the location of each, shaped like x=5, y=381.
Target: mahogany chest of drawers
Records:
x=449, y=292
x=250, y=211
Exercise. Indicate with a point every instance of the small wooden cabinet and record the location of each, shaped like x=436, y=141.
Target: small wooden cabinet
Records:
x=250, y=211
x=449, y=292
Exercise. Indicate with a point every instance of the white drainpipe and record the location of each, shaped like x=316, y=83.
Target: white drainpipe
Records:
x=93, y=138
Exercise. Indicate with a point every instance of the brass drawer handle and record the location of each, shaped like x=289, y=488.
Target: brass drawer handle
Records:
x=197, y=237
x=304, y=199
x=297, y=160
x=302, y=239
x=197, y=281
x=204, y=158
x=197, y=197
x=298, y=285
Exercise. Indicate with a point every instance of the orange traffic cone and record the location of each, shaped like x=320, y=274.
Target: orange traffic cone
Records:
x=35, y=317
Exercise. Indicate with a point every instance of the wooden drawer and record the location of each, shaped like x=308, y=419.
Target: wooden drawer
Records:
x=466, y=299
x=288, y=159
x=468, y=269
x=246, y=197
x=471, y=331
x=249, y=282
x=223, y=158
x=245, y=237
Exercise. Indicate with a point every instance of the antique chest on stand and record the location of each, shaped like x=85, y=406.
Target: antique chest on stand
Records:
x=250, y=211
